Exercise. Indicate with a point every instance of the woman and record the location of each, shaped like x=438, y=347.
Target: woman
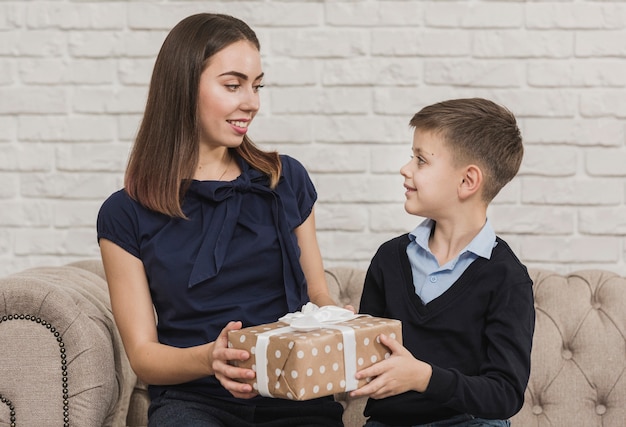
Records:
x=211, y=233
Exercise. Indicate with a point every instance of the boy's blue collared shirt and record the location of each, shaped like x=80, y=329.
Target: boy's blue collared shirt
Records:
x=429, y=278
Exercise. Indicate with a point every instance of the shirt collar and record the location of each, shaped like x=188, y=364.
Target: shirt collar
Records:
x=482, y=244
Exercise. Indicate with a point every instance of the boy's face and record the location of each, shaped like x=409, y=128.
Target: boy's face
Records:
x=431, y=179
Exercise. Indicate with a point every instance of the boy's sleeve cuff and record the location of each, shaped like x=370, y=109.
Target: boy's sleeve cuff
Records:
x=442, y=384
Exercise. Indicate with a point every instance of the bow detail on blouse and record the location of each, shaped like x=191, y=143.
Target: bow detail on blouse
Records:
x=213, y=250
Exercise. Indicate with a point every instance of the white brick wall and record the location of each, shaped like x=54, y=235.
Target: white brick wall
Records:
x=343, y=79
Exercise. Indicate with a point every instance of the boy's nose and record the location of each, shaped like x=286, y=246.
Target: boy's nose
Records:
x=404, y=170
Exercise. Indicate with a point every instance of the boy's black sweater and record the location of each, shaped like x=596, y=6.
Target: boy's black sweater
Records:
x=477, y=335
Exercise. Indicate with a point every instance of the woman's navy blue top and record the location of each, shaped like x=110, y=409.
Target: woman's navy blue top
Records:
x=235, y=257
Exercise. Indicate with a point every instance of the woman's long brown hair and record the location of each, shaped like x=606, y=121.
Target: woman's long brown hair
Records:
x=165, y=152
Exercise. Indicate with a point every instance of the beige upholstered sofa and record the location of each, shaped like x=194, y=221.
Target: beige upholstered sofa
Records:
x=62, y=362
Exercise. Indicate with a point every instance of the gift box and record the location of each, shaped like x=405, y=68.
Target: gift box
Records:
x=298, y=358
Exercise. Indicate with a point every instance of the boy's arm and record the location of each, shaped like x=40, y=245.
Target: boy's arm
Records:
x=497, y=391
x=373, y=300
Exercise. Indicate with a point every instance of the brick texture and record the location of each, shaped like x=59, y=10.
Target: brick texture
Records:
x=343, y=79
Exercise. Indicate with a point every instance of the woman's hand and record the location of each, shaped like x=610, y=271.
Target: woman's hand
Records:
x=226, y=373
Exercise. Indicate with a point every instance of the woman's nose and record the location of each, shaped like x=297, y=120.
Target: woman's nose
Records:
x=251, y=101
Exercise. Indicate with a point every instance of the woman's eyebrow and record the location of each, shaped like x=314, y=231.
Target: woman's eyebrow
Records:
x=242, y=76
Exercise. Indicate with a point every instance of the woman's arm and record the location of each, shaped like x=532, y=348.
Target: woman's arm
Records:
x=311, y=261
x=153, y=362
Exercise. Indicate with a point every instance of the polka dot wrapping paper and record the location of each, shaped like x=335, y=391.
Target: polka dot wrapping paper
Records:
x=302, y=365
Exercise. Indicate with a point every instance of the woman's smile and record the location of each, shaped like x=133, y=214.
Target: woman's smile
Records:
x=240, y=126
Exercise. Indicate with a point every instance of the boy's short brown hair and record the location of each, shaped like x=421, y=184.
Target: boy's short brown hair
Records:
x=477, y=131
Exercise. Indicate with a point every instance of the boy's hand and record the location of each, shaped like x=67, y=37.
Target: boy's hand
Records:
x=399, y=373
x=350, y=307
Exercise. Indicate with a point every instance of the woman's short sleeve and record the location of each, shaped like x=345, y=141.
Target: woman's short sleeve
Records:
x=297, y=177
x=118, y=222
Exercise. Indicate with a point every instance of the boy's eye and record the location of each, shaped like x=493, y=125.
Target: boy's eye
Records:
x=419, y=159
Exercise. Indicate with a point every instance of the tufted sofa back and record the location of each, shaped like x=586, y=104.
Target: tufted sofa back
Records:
x=578, y=373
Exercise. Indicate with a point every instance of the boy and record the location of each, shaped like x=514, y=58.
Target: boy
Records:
x=464, y=299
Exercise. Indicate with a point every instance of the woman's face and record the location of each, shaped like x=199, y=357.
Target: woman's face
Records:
x=228, y=94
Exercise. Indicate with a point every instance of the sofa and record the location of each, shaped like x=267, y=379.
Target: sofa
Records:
x=62, y=362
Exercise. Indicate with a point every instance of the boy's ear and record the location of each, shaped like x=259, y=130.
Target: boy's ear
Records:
x=472, y=181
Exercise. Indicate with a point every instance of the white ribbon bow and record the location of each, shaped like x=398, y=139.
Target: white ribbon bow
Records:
x=312, y=317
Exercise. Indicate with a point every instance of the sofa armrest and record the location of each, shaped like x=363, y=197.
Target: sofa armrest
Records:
x=62, y=357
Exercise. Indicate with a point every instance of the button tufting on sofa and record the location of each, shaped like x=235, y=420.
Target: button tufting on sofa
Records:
x=582, y=318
